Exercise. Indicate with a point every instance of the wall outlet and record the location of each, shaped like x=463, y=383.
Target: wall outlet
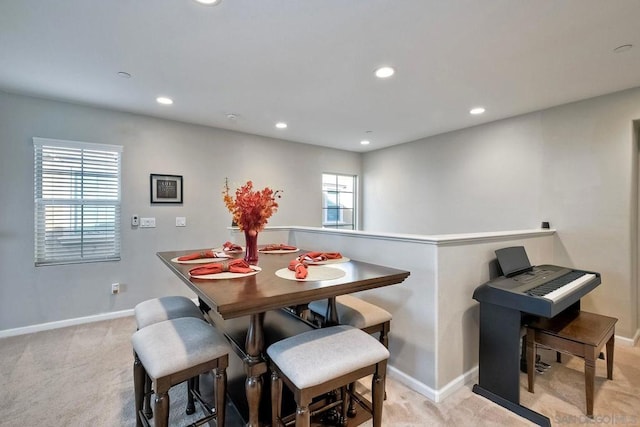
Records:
x=147, y=222
x=135, y=220
x=115, y=288
x=181, y=221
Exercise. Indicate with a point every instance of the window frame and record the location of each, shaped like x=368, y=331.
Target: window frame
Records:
x=77, y=202
x=340, y=224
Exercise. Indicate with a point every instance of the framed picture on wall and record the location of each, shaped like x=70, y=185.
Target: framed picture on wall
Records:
x=166, y=188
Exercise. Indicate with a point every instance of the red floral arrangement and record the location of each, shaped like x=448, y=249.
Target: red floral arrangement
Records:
x=251, y=208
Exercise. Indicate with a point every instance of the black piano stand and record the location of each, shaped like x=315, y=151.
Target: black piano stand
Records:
x=499, y=361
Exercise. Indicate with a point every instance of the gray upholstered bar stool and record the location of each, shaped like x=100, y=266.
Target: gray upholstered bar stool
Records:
x=173, y=351
x=160, y=309
x=165, y=308
x=359, y=314
x=322, y=360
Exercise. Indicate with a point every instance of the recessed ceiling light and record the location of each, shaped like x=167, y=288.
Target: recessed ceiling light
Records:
x=124, y=74
x=209, y=2
x=164, y=100
x=476, y=111
x=623, y=48
x=384, y=72
x=365, y=142
x=281, y=125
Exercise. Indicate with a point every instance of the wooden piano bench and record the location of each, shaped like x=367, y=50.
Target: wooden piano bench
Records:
x=578, y=333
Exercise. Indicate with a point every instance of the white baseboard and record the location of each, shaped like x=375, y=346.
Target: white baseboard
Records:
x=628, y=342
x=412, y=383
x=457, y=383
x=64, y=323
x=428, y=392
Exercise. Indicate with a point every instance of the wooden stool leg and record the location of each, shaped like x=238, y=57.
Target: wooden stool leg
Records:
x=384, y=334
x=351, y=409
x=148, y=412
x=558, y=357
x=610, y=356
x=196, y=384
x=531, y=358
x=191, y=407
x=161, y=408
x=303, y=417
x=589, y=378
x=384, y=340
x=377, y=392
x=276, y=398
x=139, y=377
x=346, y=402
x=220, y=390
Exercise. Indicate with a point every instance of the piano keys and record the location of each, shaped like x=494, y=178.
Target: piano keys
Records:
x=565, y=285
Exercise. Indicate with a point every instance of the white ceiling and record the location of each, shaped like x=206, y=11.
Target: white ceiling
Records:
x=310, y=63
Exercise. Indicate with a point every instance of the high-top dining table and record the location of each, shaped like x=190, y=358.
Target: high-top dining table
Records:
x=252, y=297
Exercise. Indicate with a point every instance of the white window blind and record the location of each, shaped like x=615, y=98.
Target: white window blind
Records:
x=77, y=201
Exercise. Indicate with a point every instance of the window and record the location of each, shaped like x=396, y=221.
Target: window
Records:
x=77, y=201
x=338, y=201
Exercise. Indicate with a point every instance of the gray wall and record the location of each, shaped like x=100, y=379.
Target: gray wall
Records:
x=573, y=165
x=204, y=156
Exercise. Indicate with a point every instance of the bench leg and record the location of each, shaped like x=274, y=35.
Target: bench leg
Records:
x=589, y=378
x=610, y=356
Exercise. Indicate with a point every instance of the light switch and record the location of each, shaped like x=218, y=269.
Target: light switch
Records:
x=181, y=221
x=147, y=222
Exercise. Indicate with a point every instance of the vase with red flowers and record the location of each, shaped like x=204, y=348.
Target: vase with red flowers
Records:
x=251, y=209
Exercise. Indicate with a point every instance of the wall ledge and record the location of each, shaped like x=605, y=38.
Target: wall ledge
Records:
x=436, y=240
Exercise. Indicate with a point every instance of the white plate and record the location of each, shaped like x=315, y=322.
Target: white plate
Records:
x=313, y=274
x=279, y=251
x=228, y=274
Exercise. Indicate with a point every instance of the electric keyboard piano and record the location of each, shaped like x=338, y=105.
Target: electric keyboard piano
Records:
x=546, y=290
x=505, y=304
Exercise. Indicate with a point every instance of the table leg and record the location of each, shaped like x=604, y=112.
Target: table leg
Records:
x=331, y=316
x=254, y=366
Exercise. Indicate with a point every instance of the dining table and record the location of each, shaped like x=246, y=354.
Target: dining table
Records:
x=239, y=303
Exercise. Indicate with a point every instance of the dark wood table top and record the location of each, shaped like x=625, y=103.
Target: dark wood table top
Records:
x=265, y=291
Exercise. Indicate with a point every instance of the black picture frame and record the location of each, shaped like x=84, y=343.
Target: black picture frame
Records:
x=165, y=189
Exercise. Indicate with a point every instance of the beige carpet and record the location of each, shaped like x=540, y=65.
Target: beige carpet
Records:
x=82, y=376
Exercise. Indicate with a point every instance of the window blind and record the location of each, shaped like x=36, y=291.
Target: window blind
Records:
x=77, y=201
